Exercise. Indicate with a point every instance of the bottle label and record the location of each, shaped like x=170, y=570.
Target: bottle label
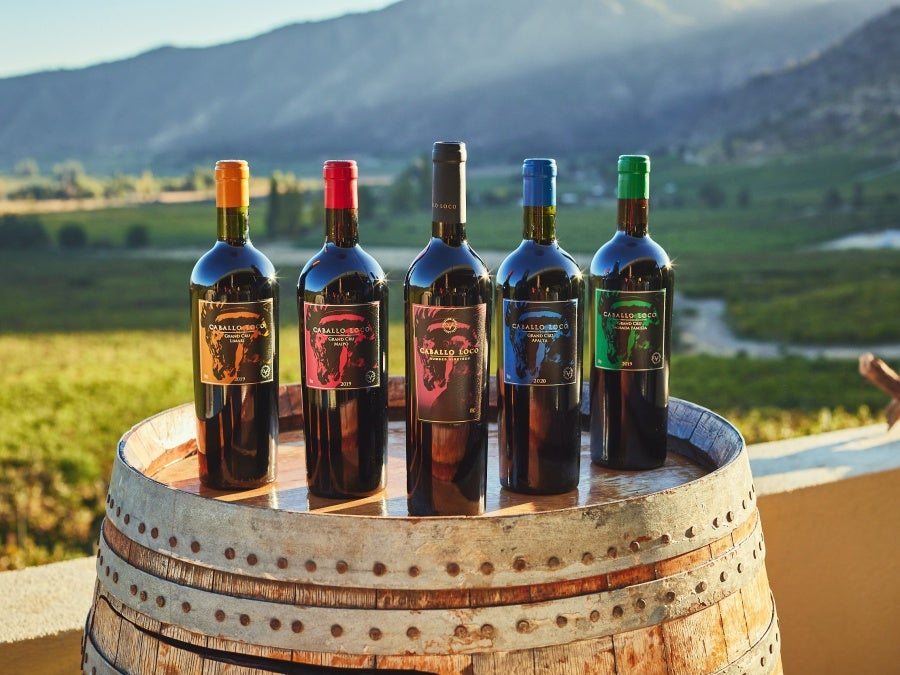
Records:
x=630, y=329
x=342, y=346
x=450, y=351
x=237, y=342
x=539, y=343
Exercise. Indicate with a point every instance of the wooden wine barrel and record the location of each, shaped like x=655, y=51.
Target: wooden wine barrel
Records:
x=655, y=572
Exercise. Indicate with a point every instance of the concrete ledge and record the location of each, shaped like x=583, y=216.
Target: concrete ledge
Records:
x=43, y=616
x=830, y=508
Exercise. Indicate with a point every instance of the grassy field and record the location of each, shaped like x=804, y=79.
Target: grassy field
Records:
x=96, y=340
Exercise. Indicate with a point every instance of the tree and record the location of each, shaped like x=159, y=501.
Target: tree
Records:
x=712, y=195
x=137, y=236
x=273, y=213
x=27, y=168
x=72, y=235
x=21, y=232
x=832, y=199
x=858, y=200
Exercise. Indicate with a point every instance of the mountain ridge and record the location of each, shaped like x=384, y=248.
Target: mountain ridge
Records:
x=523, y=75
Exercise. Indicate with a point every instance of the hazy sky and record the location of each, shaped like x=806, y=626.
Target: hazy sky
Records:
x=48, y=34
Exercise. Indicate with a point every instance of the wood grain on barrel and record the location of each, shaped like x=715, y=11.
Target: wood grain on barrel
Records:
x=658, y=571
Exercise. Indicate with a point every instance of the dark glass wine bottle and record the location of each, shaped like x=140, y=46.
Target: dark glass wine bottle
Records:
x=631, y=291
x=234, y=328
x=342, y=303
x=540, y=327
x=447, y=299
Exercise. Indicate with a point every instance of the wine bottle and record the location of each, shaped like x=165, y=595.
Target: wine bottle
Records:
x=447, y=305
x=540, y=327
x=342, y=303
x=234, y=328
x=631, y=292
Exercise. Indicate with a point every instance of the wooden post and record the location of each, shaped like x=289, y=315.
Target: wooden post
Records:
x=882, y=376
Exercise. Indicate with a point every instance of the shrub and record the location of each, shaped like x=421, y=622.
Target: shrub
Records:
x=20, y=232
x=72, y=235
x=137, y=236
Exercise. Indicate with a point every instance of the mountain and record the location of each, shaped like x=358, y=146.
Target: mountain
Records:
x=511, y=77
x=849, y=94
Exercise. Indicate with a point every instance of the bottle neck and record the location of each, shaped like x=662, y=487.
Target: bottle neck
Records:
x=632, y=217
x=233, y=224
x=448, y=202
x=342, y=227
x=539, y=224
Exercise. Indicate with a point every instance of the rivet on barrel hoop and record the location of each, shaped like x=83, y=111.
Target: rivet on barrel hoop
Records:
x=173, y=541
x=413, y=571
x=275, y=624
x=133, y=589
x=310, y=566
x=195, y=546
x=666, y=538
x=127, y=518
x=670, y=596
x=453, y=569
x=487, y=631
x=154, y=533
x=297, y=626
x=142, y=528
x=729, y=516
x=595, y=616
x=341, y=566
x=523, y=626
x=143, y=596
x=245, y=620
x=716, y=521
x=519, y=564
x=282, y=563
x=160, y=601
x=587, y=558
x=461, y=632
x=618, y=611
x=724, y=576
x=229, y=553
x=487, y=568
x=553, y=562
x=691, y=532
x=412, y=633
x=118, y=511
x=220, y=615
x=561, y=621
x=635, y=546
x=252, y=559
x=379, y=569
x=115, y=577
x=611, y=552
x=641, y=603
x=701, y=587
x=185, y=607
x=375, y=634
x=336, y=631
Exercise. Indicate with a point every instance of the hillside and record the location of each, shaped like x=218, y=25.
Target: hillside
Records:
x=847, y=95
x=510, y=76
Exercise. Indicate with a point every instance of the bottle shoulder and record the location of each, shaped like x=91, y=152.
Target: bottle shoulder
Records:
x=345, y=274
x=225, y=259
x=439, y=259
x=623, y=250
x=532, y=258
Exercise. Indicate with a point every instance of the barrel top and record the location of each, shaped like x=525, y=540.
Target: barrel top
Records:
x=162, y=448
